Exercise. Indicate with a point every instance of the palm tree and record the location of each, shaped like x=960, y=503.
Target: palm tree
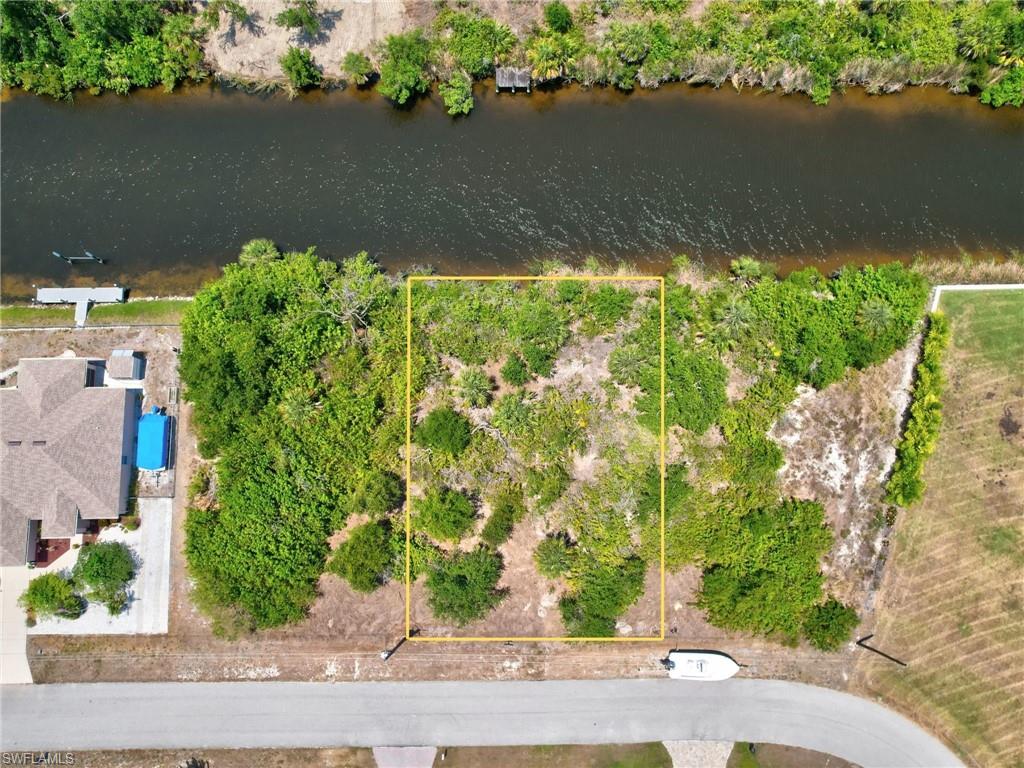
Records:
x=875, y=316
x=733, y=320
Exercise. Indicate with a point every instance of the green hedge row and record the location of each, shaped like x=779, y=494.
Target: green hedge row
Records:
x=906, y=484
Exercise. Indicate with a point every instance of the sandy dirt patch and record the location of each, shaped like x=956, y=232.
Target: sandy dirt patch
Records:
x=838, y=445
x=252, y=51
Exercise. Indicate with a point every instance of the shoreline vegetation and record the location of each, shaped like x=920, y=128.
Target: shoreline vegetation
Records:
x=55, y=47
x=167, y=310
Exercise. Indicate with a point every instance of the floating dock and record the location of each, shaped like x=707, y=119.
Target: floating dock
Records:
x=82, y=298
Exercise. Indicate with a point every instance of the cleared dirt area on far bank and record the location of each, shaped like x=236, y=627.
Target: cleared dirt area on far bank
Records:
x=952, y=601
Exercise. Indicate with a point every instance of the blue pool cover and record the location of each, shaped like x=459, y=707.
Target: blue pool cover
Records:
x=151, y=452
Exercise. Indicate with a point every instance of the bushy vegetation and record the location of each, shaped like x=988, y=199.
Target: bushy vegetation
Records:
x=364, y=559
x=295, y=367
x=56, y=48
x=463, y=587
x=506, y=510
x=443, y=430
x=921, y=432
x=403, y=66
x=299, y=67
x=300, y=14
x=798, y=46
x=553, y=557
x=514, y=371
x=51, y=595
x=457, y=94
x=445, y=514
x=828, y=626
x=103, y=573
x=356, y=67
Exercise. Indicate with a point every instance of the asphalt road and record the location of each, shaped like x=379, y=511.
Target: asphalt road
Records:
x=198, y=715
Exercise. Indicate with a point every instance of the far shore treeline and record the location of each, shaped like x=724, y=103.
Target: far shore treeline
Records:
x=55, y=47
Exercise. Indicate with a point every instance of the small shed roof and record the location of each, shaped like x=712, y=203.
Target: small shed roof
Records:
x=124, y=364
x=151, y=452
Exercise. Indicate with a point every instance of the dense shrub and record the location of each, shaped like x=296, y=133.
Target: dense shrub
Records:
x=299, y=67
x=695, y=388
x=475, y=42
x=443, y=430
x=53, y=49
x=547, y=483
x=445, y=514
x=298, y=412
x=364, y=559
x=457, y=94
x=376, y=494
x=403, y=66
x=104, y=571
x=300, y=14
x=602, y=594
x=553, y=557
x=606, y=306
x=829, y=625
x=540, y=361
x=1008, y=89
x=357, y=68
x=514, y=371
x=921, y=432
x=52, y=594
x=463, y=587
x=506, y=510
x=767, y=579
x=557, y=16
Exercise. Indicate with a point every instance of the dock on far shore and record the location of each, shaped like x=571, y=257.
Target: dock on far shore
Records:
x=82, y=298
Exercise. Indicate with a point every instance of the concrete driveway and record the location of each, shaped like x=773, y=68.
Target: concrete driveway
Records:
x=235, y=715
x=13, y=663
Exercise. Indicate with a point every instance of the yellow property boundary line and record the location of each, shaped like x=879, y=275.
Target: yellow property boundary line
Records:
x=408, y=453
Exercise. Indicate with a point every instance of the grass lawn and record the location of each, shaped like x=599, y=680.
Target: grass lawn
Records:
x=156, y=312
x=952, y=604
x=578, y=756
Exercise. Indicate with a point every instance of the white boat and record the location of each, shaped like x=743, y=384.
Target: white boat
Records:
x=700, y=665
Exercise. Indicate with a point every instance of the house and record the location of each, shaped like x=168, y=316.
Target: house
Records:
x=66, y=447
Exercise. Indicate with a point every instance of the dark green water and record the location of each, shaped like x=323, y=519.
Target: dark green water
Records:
x=167, y=188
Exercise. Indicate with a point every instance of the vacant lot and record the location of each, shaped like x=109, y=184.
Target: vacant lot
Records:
x=952, y=604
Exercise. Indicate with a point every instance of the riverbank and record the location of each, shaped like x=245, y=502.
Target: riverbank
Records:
x=405, y=46
x=570, y=174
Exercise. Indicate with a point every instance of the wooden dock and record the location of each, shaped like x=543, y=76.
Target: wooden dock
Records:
x=512, y=77
x=82, y=298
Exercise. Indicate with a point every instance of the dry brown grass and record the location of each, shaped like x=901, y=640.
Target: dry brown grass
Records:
x=952, y=604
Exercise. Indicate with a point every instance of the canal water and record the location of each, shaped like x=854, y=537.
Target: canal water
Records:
x=167, y=188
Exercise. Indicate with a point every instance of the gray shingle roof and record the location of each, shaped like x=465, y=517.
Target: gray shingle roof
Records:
x=61, y=449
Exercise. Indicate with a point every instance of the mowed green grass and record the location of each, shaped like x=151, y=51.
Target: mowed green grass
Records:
x=156, y=312
x=952, y=604
x=652, y=755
